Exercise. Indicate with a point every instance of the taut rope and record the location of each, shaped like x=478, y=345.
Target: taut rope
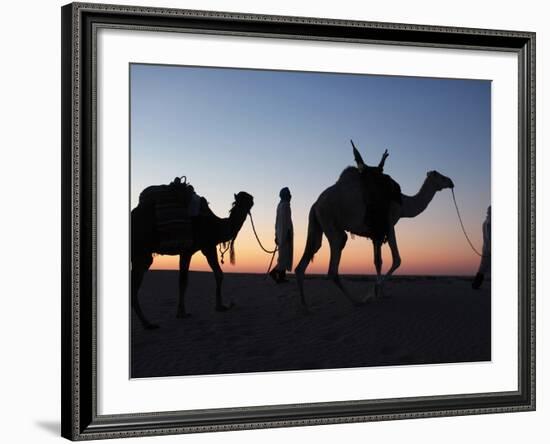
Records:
x=462, y=225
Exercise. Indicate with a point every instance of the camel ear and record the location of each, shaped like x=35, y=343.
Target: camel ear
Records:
x=235, y=196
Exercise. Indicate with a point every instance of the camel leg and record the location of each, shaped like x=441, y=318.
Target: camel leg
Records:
x=377, y=247
x=185, y=260
x=396, y=259
x=313, y=244
x=139, y=268
x=337, y=241
x=212, y=257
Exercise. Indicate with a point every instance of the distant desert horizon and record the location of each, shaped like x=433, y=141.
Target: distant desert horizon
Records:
x=397, y=275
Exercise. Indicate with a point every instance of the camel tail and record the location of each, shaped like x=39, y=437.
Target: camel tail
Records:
x=314, y=234
x=313, y=243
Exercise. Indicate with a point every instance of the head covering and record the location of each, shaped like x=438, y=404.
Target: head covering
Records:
x=284, y=193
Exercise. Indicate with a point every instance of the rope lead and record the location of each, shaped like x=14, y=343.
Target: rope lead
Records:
x=224, y=247
x=271, y=252
x=462, y=225
x=258, y=239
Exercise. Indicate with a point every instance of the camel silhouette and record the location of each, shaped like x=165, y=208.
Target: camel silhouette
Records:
x=342, y=208
x=207, y=230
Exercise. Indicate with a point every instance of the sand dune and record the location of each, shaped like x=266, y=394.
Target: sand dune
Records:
x=425, y=319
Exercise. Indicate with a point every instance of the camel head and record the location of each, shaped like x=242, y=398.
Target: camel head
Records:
x=243, y=200
x=439, y=181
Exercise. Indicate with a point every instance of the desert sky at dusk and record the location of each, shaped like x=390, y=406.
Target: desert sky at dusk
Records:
x=231, y=130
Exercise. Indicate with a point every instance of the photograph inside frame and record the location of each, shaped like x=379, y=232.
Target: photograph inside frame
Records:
x=288, y=220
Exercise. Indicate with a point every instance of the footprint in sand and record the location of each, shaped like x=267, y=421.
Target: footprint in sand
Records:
x=337, y=317
x=331, y=337
x=235, y=338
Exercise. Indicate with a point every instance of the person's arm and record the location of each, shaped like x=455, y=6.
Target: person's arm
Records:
x=278, y=226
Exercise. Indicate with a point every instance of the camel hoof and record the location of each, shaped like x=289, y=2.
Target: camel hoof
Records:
x=222, y=308
x=361, y=303
x=478, y=280
x=371, y=294
x=382, y=295
x=379, y=292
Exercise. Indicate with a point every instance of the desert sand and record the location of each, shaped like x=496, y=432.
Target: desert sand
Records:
x=423, y=320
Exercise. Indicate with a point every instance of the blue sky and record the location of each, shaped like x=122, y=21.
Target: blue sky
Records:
x=229, y=130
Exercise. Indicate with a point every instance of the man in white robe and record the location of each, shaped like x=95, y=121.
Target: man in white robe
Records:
x=284, y=238
x=485, y=264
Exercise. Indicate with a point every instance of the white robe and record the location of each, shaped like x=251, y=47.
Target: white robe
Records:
x=485, y=264
x=284, y=235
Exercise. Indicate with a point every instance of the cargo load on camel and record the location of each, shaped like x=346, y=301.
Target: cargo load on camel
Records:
x=379, y=191
x=174, y=206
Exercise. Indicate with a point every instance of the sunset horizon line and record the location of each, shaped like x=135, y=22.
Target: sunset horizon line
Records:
x=291, y=273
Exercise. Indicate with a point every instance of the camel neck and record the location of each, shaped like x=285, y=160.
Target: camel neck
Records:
x=236, y=221
x=414, y=205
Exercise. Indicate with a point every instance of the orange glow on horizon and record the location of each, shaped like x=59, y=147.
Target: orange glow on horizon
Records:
x=423, y=250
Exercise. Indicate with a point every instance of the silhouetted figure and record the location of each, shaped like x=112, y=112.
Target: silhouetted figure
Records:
x=485, y=263
x=204, y=231
x=342, y=207
x=284, y=238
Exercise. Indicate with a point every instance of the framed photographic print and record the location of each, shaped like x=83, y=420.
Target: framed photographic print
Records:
x=280, y=221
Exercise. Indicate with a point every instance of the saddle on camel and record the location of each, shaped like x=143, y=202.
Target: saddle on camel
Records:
x=173, y=207
x=379, y=191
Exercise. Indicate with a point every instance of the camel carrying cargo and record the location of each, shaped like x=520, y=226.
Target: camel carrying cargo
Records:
x=174, y=205
x=344, y=208
x=172, y=219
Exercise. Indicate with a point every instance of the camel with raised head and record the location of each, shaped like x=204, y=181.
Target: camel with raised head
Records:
x=208, y=231
x=341, y=208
